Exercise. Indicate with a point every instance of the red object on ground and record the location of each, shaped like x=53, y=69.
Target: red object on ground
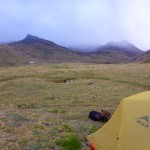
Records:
x=92, y=147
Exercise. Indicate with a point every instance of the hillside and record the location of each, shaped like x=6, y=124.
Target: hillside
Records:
x=144, y=58
x=122, y=51
x=44, y=51
x=33, y=49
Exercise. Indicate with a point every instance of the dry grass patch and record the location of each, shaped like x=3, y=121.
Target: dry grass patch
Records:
x=42, y=105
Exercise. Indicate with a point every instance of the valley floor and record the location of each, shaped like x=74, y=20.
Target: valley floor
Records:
x=41, y=105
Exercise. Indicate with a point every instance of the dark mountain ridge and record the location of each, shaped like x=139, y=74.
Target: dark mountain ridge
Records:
x=30, y=39
x=144, y=58
x=123, y=46
x=38, y=50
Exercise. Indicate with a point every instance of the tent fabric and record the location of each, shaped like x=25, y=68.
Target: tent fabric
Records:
x=128, y=128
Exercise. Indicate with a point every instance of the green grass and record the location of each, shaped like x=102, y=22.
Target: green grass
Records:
x=44, y=106
x=70, y=142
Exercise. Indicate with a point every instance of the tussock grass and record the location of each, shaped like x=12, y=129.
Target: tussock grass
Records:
x=43, y=107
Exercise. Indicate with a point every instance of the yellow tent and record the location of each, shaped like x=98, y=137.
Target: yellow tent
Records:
x=128, y=128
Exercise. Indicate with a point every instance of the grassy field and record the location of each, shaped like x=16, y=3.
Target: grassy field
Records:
x=46, y=107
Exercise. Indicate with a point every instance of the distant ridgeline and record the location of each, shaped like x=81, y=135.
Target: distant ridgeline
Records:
x=33, y=50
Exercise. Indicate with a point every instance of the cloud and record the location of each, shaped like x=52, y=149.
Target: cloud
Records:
x=71, y=22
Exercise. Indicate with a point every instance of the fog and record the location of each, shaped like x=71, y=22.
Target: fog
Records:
x=77, y=22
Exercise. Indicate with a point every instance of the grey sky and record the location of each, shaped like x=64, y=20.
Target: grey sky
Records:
x=71, y=22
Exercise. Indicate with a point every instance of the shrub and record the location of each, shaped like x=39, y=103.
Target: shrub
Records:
x=62, y=111
x=66, y=128
x=93, y=129
x=27, y=106
x=70, y=142
x=53, y=111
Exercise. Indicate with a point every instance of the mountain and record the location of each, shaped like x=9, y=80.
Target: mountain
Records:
x=30, y=39
x=122, y=51
x=123, y=46
x=144, y=58
x=33, y=49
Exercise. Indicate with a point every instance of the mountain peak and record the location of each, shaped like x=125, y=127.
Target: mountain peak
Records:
x=29, y=36
x=120, y=43
x=31, y=39
x=121, y=46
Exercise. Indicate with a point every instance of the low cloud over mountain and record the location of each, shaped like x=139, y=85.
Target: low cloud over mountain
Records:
x=33, y=49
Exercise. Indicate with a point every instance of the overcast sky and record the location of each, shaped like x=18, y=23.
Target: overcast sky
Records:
x=71, y=22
